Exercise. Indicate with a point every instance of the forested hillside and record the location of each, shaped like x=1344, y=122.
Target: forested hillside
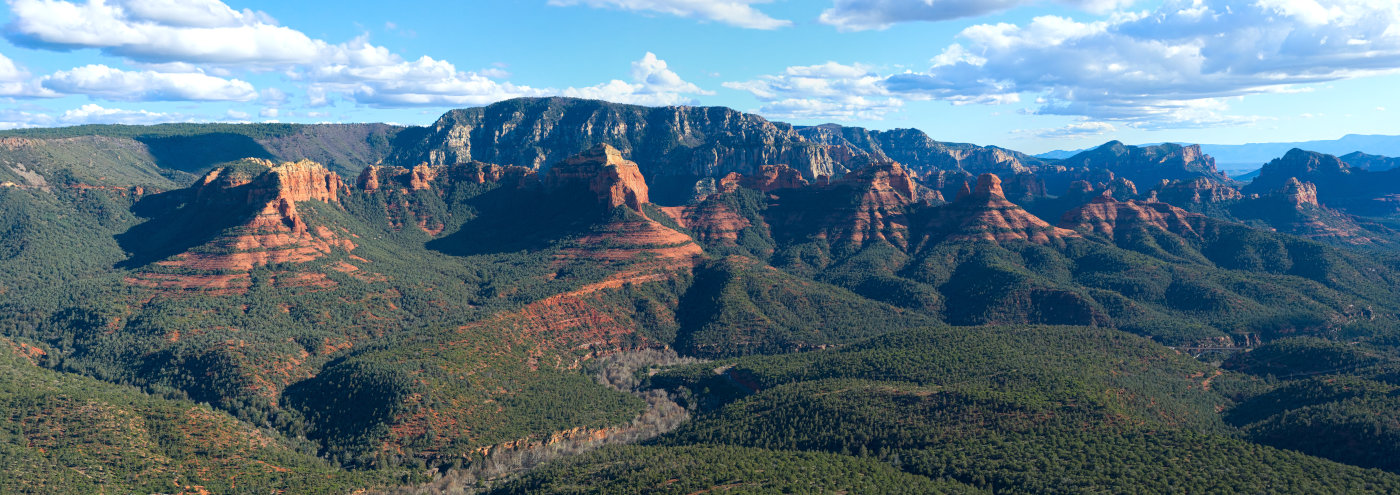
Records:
x=333, y=308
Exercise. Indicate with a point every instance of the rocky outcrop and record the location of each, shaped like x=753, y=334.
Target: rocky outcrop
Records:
x=1145, y=164
x=920, y=153
x=272, y=230
x=983, y=213
x=1339, y=185
x=710, y=222
x=602, y=170
x=1114, y=219
x=773, y=177
x=666, y=141
x=423, y=177
x=1308, y=166
x=1198, y=191
x=1295, y=209
x=867, y=205
x=610, y=181
x=1299, y=195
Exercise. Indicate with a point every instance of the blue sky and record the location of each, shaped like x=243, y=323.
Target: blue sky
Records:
x=1032, y=75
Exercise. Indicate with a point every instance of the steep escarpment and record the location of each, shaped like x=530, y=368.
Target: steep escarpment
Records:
x=921, y=153
x=1116, y=219
x=1295, y=209
x=870, y=204
x=236, y=218
x=983, y=213
x=1148, y=164
x=665, y=141
x=1339, y=185
x=1197, y=192
x=602, y=180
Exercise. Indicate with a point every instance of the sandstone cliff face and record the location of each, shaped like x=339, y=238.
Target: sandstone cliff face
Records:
x=1299, y=195
x=666, y=141
x=711, y=223
x=613, y=181
x=1114, y=219
x=1200, y=190
x=274, y=232
x=1308, y=166
x=983, y=213
x=866, y=205
x=404, y=210
x=773, y=177
x=603, y=171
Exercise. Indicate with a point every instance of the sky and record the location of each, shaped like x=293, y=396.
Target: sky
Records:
x=1031, y=75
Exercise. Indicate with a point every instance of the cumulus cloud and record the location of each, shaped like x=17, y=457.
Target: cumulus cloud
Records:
x=860, y=15
x=1176, y=67
x=114, y=84
x=203, y=31
x=96, y=114
x=190, y=49
x=830, y=91
x=16, y=81
x=739, y=13
x=1073, y=131
x=378, y=78
x=653, y=83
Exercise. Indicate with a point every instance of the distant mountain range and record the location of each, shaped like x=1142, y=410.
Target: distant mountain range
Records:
x=1235, y=158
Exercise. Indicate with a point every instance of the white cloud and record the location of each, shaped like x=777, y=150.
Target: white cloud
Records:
x=739, y=13
x=273, y=97
x=373, y=76
x=94, y=114
x=10, y=72
x=237, y=115
x=860, y=15
x=16, y=81
x=828, y=91
x=202, y=31
x=654, y=83
x=1176, y=67
x=113, y=84
x=1073, y=131
x=191, y=49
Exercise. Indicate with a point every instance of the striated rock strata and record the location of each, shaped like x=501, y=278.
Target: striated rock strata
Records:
x=984, y=214
x=273, y=232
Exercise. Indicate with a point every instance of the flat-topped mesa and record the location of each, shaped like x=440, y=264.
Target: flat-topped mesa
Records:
x=602, y=170
x=1147, y=164
x=774, y=177
x=423, y=177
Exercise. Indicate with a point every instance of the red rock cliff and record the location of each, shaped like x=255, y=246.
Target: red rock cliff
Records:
x=615, y=180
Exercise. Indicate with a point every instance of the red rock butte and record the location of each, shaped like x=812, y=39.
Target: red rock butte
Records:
x=276, y=233
x=984, y=214
x=615, y=180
